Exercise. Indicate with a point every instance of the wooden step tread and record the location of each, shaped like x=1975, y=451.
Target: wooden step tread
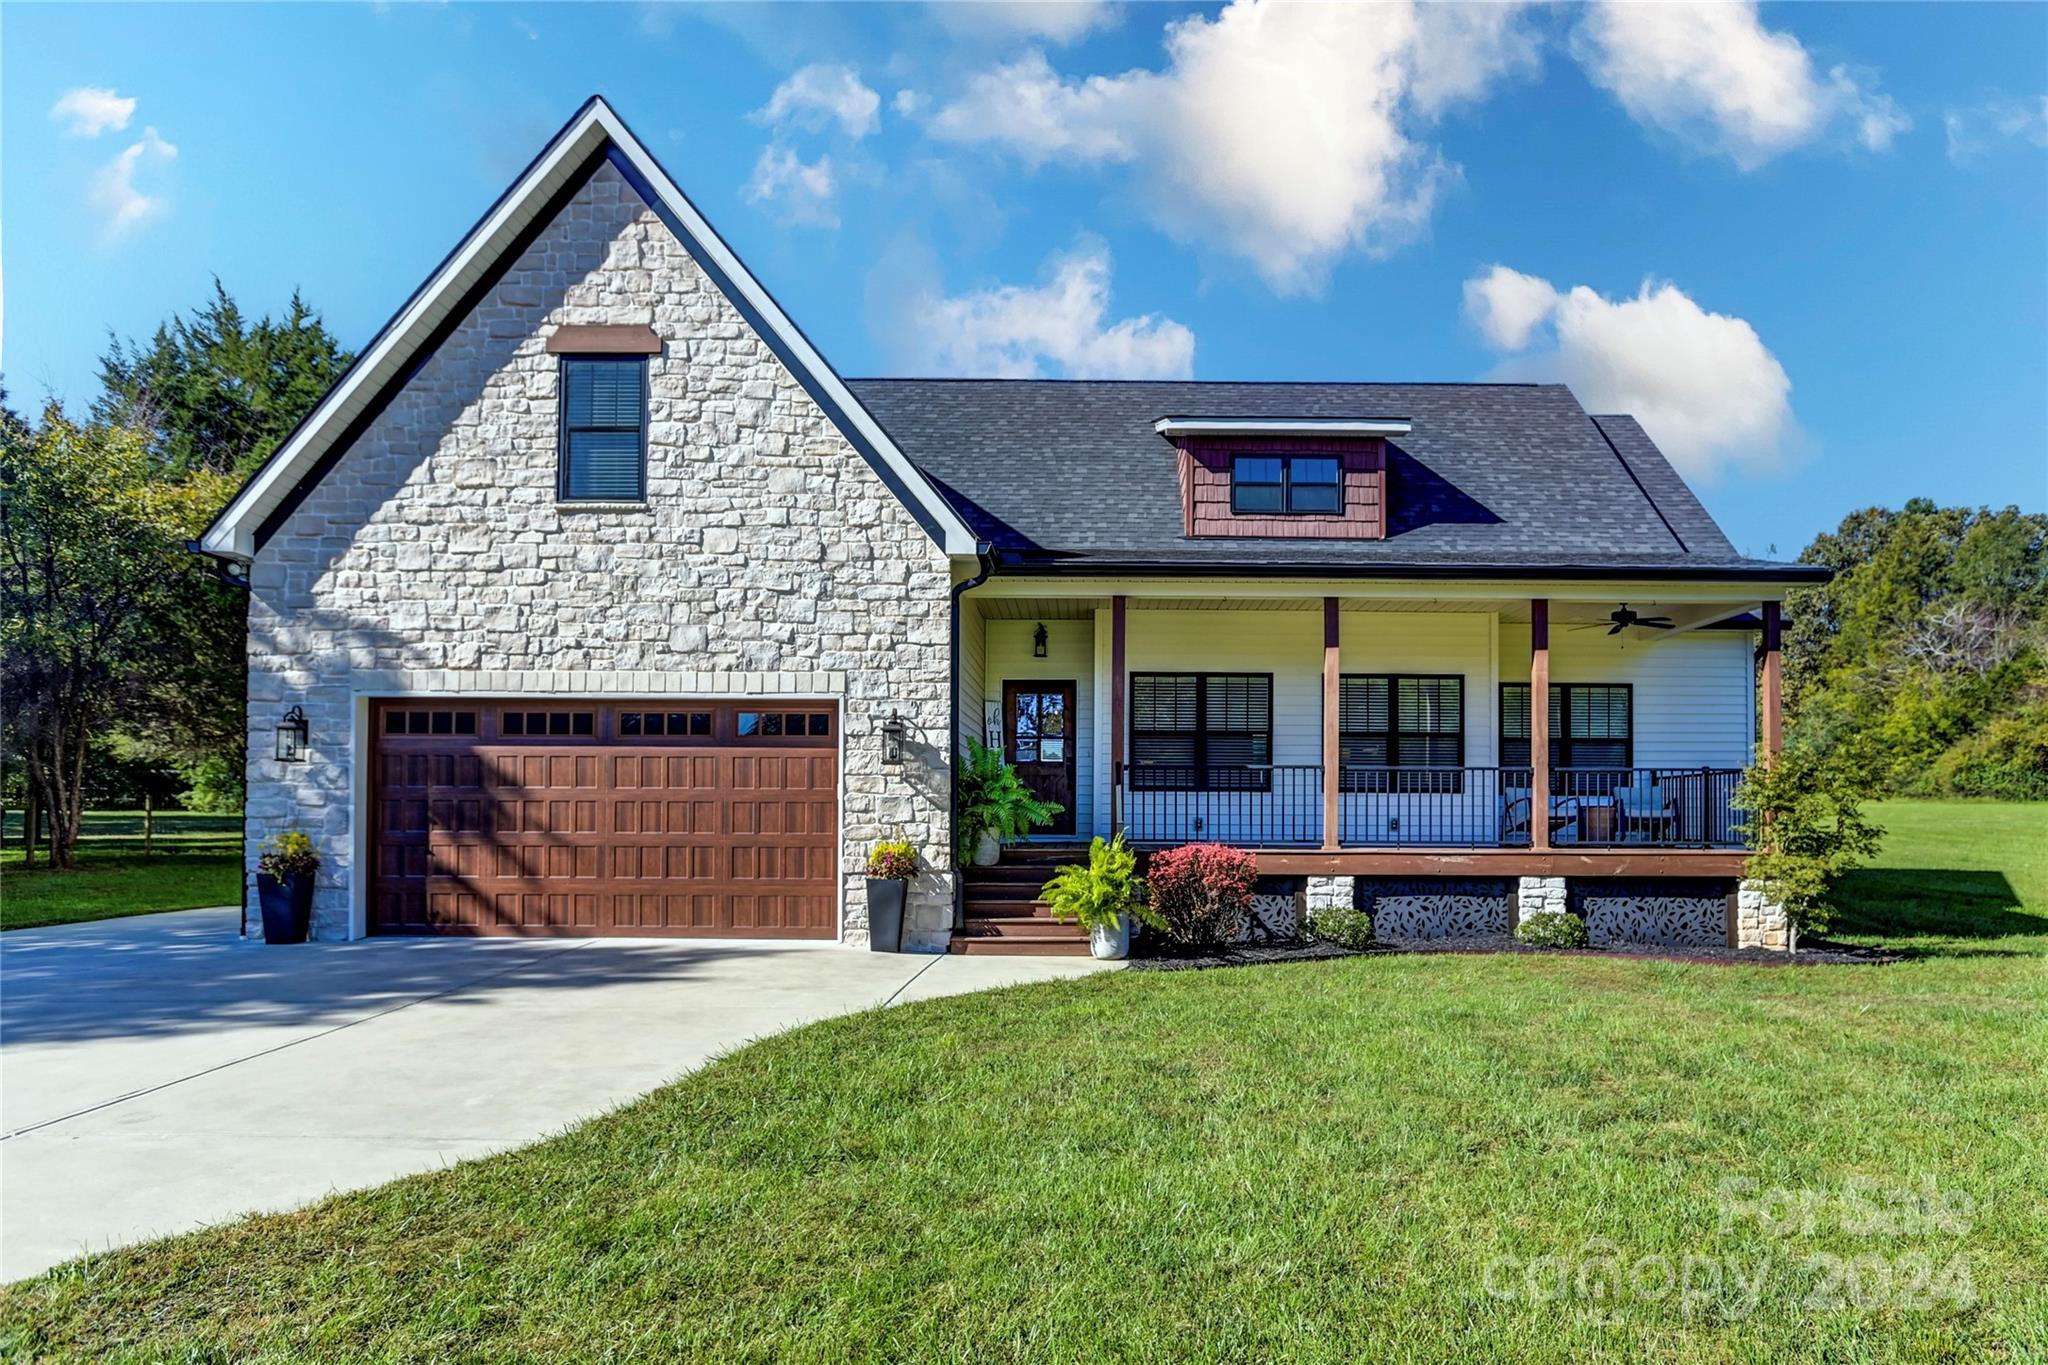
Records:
x=1009, y=947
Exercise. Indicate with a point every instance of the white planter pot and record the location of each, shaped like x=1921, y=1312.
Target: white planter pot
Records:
x=987, y=850
x=1111, y=945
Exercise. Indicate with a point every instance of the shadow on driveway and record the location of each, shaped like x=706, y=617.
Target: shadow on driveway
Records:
x=163, y=975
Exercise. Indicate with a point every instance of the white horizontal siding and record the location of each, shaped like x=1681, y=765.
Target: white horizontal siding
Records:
x=1287, y=644
x=973, y=674
x=1458, y=643
x=1695, y=695
x=1069, y=657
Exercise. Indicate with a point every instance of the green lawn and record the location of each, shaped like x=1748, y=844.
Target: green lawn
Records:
x=194, y=860
x=1377, y=1158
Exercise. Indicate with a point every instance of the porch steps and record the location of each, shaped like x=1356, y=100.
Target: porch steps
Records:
x=1002, y=912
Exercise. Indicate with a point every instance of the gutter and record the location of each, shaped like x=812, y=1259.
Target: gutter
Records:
x=987, y=561
x=1152, y=568
x=224, y=566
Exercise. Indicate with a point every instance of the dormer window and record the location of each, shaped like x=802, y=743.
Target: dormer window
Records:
x=1287, y=484
x=1301, y=477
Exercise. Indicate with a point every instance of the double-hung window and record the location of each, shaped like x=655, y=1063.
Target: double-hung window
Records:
x=1401, y=732
x=1286, y=484
x=1201, y=731
x=604, y=429
x=1591, y=726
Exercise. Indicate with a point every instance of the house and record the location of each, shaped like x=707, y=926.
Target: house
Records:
x=595, y=602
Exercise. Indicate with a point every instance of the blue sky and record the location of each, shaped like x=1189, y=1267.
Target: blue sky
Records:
x=1808, y=245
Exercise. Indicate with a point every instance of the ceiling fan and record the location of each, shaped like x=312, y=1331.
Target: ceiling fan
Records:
x=1623, y=618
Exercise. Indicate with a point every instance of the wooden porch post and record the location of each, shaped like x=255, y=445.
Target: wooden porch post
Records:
x=1332, y=751
x=1773, y=682
x=1116, y=713
x=1539, y=723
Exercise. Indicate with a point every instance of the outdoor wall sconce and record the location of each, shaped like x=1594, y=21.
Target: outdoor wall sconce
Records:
x=291, y=736
x=1038, y=641
x=892, y=738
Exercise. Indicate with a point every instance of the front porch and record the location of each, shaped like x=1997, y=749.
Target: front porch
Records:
x=1395, y=730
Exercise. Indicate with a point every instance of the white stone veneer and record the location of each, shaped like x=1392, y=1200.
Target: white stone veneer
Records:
x=769, y=559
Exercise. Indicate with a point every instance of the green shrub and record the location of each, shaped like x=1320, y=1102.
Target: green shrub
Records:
x=1549, y=929
x=2007, y=759
x=1805, y=821
x=215, y=786
x=1101, y=893
x=1346, y=928
x=994, y=800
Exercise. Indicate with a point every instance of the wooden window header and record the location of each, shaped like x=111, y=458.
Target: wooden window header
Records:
x=621, y=338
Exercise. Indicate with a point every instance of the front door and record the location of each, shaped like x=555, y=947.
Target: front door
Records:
x=1040, y=743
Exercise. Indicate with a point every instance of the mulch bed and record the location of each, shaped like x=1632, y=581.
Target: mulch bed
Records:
x=1166, y=957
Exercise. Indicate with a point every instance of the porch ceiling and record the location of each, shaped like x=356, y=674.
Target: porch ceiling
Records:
x=1579, y=617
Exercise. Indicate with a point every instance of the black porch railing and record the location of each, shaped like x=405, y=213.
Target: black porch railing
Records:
x=1281, y=805
x=1254, y=804
x=1657, y=807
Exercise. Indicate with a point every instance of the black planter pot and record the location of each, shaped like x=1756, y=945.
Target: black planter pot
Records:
x=287, y=907
x=885, y=915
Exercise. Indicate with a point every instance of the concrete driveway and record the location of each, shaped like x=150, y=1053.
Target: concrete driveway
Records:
x=158, y=1074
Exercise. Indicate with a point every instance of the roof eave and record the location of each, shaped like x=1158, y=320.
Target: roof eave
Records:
x=1785, y=575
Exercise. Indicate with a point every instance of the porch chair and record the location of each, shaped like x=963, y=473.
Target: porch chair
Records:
x=1646, y=812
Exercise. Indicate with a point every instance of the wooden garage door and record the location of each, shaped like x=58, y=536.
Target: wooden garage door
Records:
x=655, y=817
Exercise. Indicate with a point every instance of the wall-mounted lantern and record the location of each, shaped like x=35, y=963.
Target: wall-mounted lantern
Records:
x=291, y=736
x=892, y=738
x=1038, y=641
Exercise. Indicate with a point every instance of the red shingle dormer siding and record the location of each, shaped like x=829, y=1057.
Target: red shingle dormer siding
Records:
x=1205, y=488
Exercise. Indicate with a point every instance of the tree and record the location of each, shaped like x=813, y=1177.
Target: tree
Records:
x=1934, y=628
x=1807, y=827
x=92, y=563
x=216, y=391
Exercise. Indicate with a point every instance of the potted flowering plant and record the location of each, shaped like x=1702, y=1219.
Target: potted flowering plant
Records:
x=284, y=886
x=890, y=868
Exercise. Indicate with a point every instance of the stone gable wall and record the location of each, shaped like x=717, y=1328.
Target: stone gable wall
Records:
x=769, y=558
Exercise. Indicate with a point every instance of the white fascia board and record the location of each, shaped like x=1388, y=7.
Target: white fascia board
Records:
x=233, y=532
x=1170, y=427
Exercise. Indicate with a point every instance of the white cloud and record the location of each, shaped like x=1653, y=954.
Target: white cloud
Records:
x=800, y=192
x=1970, y=130
x=1714, y=76
x=822, y=94
x=115, y=193
x=1059, y=327
x=91, y=110
x=1056, y=21
x=1282, y=133
x=1508, y=306
x=908, y=103
x=1704, y=385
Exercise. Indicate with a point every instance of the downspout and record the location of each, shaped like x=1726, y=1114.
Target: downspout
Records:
x=988, y=567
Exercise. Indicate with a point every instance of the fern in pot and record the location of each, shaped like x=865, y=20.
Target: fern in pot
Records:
x=1105, y=898
x=994, y=806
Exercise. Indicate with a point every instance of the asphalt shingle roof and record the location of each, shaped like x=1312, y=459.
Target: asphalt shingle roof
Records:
x=1509, y=475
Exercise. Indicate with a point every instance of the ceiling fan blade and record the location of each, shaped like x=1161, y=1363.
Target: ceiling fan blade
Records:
x=1619, y=627
x=1657, y=623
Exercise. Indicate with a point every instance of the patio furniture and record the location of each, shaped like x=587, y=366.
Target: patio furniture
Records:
x=1599, y=822
x=1514, y=822
x=1648, y=813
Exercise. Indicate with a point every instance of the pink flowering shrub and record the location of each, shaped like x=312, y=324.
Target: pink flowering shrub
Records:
x=1202, y=891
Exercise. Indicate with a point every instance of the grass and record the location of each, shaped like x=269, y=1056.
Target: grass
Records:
x=194, y=860
x=1358, y=1159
